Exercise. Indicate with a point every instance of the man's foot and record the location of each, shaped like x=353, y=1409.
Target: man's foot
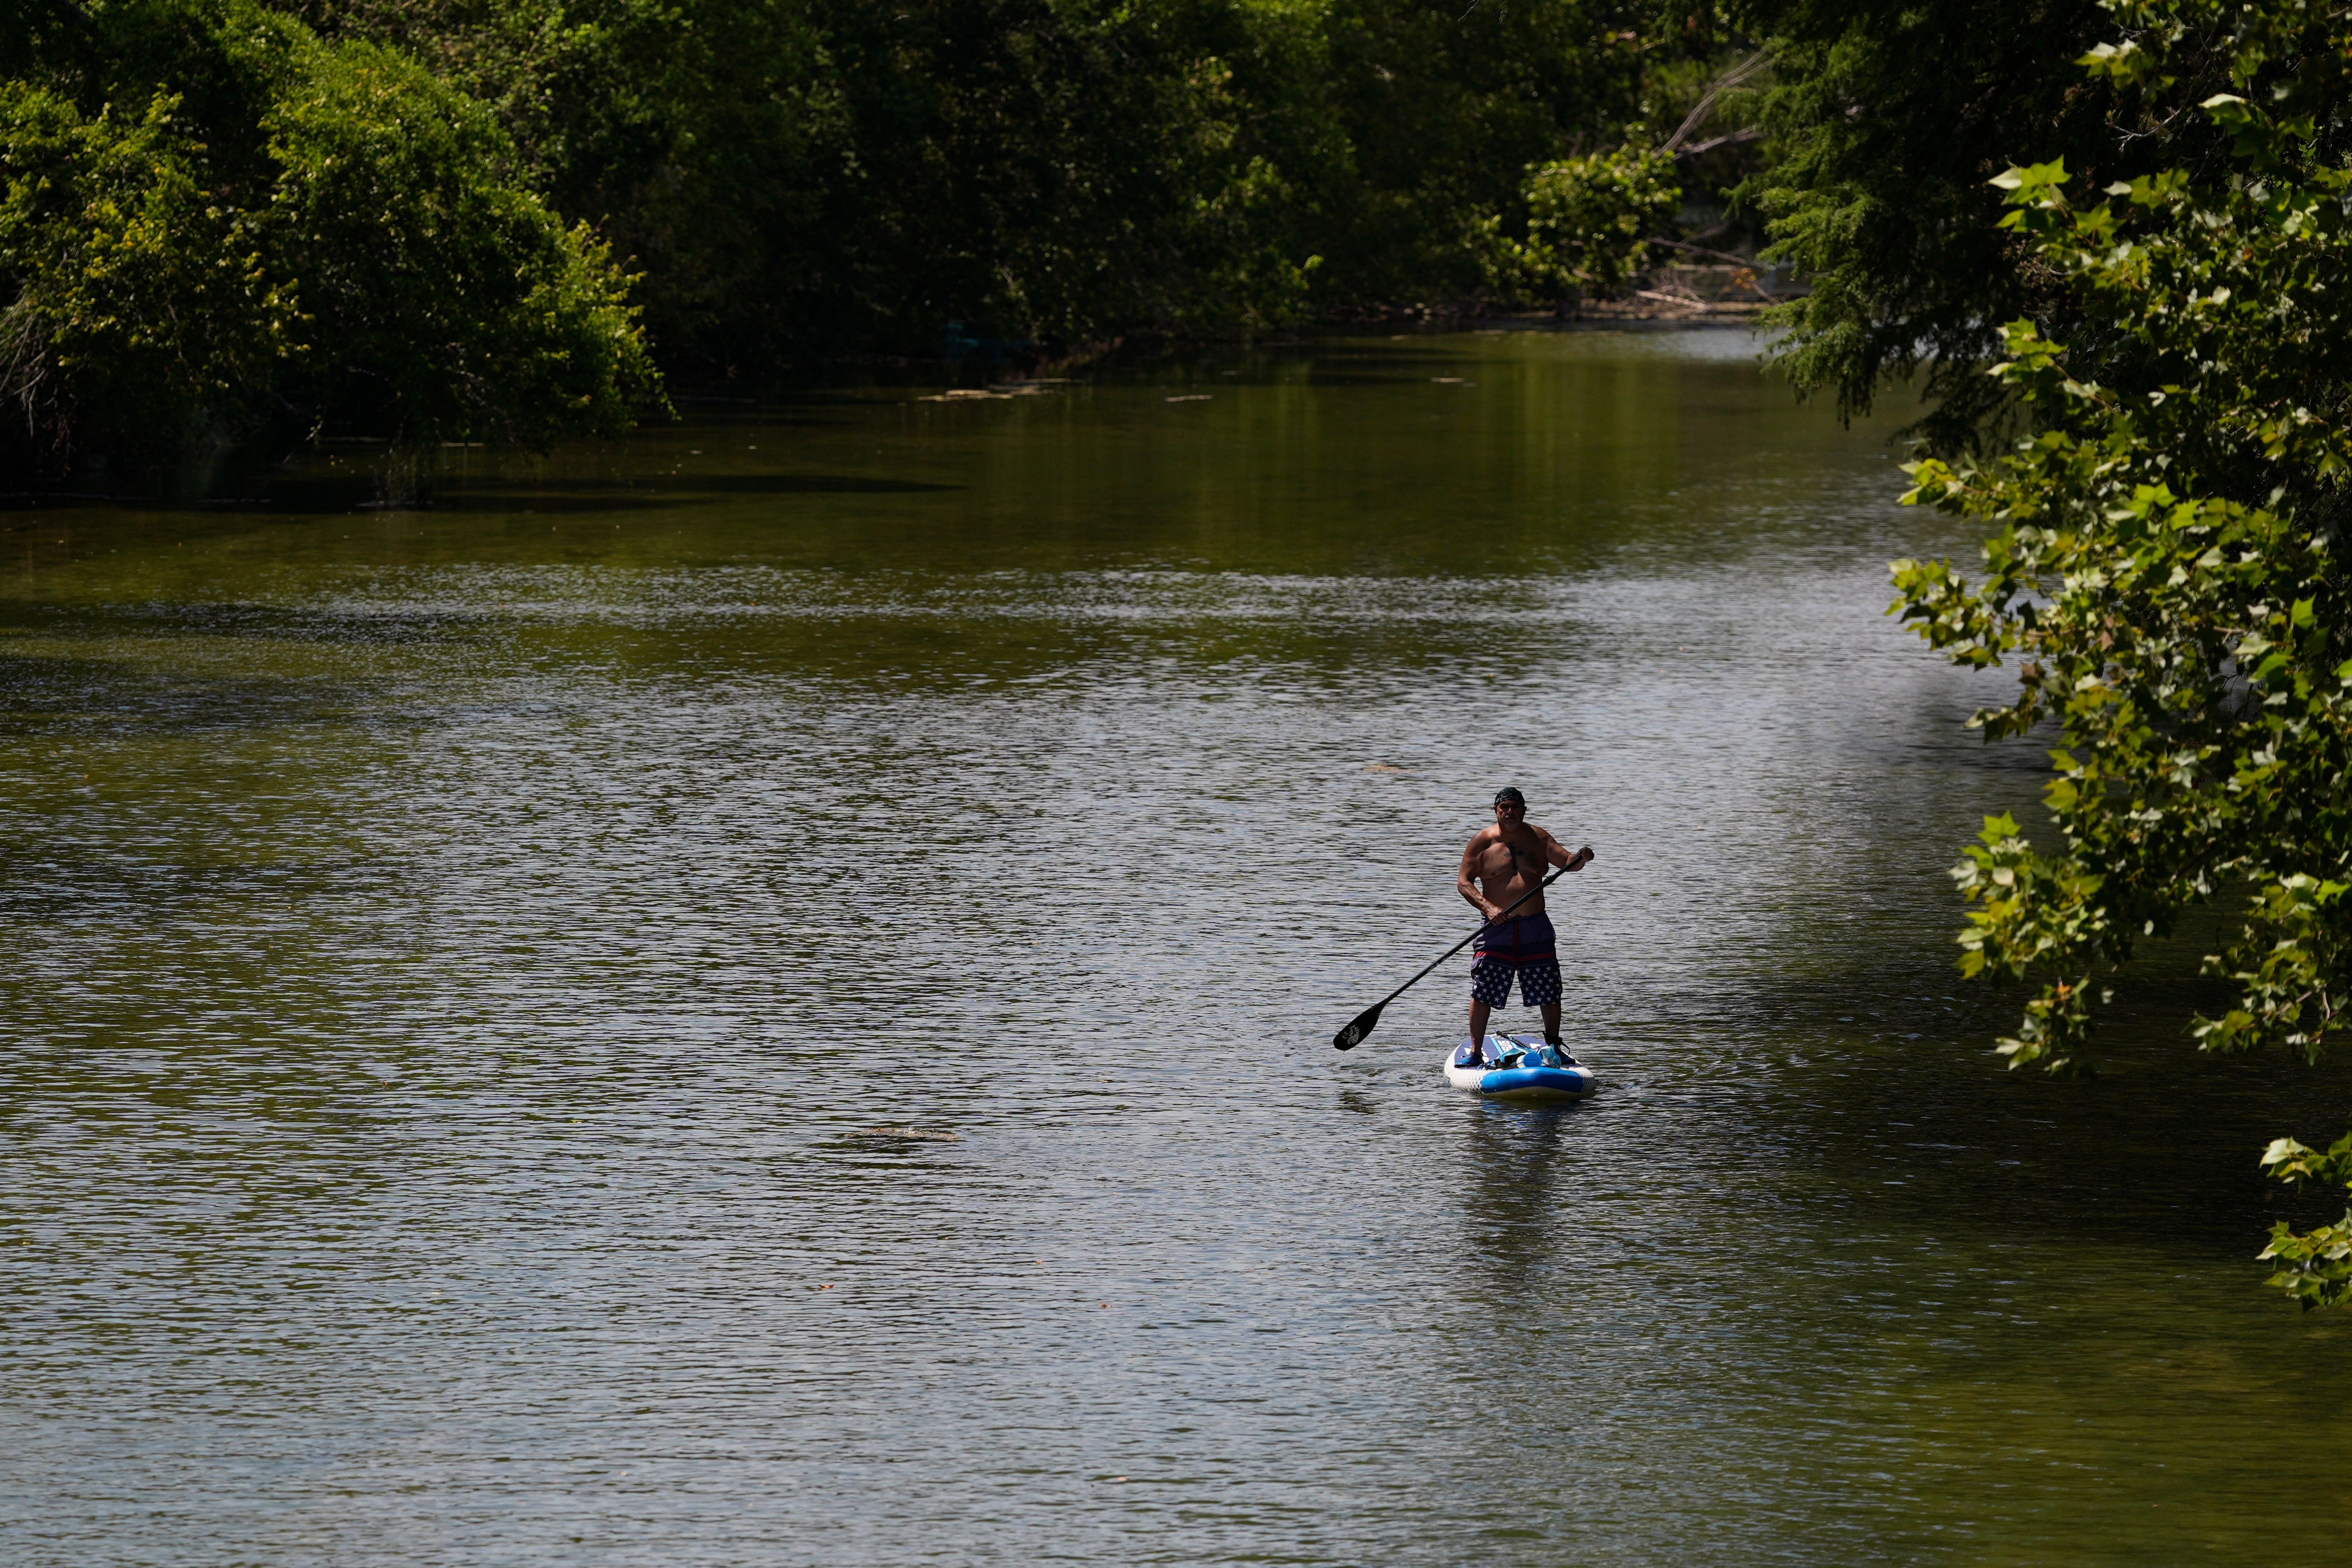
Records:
x=1566, y=1058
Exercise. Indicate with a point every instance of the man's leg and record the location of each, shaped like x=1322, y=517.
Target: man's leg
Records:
x=1539, y=984
x=1490, y=987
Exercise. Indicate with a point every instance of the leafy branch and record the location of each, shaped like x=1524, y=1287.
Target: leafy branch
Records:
x=2162, y=569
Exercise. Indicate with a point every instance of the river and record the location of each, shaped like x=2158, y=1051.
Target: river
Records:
x=762, y=995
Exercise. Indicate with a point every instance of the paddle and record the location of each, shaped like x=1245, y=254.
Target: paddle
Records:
x=1348, y=1038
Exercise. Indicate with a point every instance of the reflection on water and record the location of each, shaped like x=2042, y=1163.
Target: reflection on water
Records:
x=762, y=995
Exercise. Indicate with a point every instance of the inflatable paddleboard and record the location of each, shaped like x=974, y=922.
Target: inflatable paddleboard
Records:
x=1520, y=1068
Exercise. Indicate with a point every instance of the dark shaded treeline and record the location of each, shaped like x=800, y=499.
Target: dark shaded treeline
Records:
x=224, y=218
x=486, y=217
x=811, y=176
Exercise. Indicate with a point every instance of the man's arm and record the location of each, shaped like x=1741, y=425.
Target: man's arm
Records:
x=1466, y=881
x=1559, y=856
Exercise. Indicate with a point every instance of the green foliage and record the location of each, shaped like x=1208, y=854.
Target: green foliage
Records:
x=1442, y=111
x=1591, y=217
x=284, y=232
x=1885, y=122
x=1059, y=169
x=2165, y=562
x=807, y=176
x=795, y=178
x=137, y=301
x=377, y=239
x=2316, y=1267
x=438, y=298
x=697, y=136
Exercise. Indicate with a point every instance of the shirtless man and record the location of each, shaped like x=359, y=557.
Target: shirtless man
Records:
x=1502, y=863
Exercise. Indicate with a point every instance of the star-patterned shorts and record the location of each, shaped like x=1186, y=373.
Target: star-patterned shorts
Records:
x=1491, y=976
x=1524, y=948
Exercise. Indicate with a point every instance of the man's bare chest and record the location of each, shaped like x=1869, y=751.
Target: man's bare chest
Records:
x=1506, y=857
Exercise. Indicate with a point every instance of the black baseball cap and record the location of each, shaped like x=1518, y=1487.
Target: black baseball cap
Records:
x=1511, y=794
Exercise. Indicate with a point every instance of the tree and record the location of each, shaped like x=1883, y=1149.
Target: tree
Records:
x=134, y=301
x=695, y=136
x=2166, y=561
x=1885, y=123
x=211, y=222
x=797, y=178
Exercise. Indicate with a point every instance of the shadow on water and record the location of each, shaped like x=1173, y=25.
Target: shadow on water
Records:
x=294, y=493
x=93, y=699
x=206, y=620
x=1885, y=1074
x=57, y=882
x=524, y=492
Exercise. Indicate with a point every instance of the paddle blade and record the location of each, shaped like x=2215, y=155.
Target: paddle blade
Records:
x=1348, y=1038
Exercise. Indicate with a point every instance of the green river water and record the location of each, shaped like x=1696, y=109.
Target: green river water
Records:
x=762, y=995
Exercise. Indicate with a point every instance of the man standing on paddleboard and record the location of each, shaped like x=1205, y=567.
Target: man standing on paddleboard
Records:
x=1501, y=866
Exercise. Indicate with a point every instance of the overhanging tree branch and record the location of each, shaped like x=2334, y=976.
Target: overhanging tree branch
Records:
x=1729, y=139
x=1721, y=85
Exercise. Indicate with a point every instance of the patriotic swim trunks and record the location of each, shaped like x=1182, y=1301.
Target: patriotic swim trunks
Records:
x=1524, y=948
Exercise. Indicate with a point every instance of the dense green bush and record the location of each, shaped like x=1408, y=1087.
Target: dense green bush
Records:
x=138, y=304
x=211, y=222
x=697, y=137
x=1591, y=217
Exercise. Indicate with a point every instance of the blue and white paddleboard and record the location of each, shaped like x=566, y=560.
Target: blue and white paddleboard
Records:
x=1520, y=1068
